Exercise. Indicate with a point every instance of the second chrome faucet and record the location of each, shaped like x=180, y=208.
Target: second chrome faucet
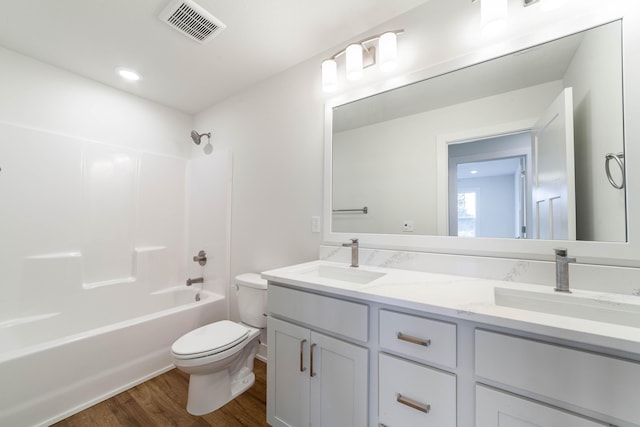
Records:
x=354, y=251
x=562, y=270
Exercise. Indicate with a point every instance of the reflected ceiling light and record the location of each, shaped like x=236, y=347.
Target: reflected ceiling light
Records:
x=361, y=55
x=493, y=16
x=128, y=74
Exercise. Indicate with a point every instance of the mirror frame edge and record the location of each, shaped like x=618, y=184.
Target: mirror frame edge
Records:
x=603, y=253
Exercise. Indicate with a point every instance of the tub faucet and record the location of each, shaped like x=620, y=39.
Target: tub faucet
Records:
x=196, y=280
x=562, y=270
x=354, y=251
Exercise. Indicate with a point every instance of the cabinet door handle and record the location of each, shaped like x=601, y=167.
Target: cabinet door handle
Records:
x=302, y=368
x=422, y=407
x=311, y=373
x=414, y=340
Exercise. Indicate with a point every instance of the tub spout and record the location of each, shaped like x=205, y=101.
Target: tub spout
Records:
x=196, y=280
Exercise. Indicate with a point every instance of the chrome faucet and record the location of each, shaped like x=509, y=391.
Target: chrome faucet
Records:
x=562, y=270
x=354, y=251
x=197, y=280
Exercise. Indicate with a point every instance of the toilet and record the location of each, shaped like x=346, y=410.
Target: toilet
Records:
x=219, y=356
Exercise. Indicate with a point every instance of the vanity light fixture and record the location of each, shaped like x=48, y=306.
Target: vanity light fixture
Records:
x=493, y=16
x=128, y=74
x=361, y=55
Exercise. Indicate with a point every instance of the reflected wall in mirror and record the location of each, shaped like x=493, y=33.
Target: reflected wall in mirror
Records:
x=391, y=152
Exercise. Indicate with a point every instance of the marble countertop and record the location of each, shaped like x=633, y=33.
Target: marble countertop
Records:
x=465, y=298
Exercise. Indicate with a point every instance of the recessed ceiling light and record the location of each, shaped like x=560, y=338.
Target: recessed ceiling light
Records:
x=128, y=74
x=473, y=172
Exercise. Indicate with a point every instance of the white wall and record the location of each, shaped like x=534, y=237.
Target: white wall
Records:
x=598, y=94
x=495, y=204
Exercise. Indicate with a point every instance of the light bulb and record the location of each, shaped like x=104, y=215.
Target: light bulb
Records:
x=354, y=62
x=388, y=51
x=329, y=75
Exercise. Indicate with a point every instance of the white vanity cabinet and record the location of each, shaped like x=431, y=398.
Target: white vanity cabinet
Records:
x=339, y=359
x=587, y=382
x=313, y=378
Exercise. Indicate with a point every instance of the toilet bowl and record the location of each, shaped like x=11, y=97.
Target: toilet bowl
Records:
x=219, y=356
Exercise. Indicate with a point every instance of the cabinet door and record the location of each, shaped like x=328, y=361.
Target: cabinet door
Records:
x=287, y=374
x=498, y=409
x=339, y=382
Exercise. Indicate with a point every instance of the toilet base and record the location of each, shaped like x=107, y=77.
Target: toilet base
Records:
x=210, y=392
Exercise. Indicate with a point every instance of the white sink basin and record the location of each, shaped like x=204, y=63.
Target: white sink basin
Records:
x=608, y=308
x=344, y=274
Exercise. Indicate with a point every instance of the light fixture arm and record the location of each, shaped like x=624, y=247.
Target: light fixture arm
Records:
x=364, y=42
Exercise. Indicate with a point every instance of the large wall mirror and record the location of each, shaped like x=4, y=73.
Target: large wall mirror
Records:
x=518, y=152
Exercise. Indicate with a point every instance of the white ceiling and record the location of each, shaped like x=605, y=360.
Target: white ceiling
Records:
x=263, y=37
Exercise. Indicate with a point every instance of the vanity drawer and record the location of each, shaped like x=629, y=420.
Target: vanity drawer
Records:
x=495, y=408
x=341, y=317
x=428, y=340
x=411, y=394
x=594, y=382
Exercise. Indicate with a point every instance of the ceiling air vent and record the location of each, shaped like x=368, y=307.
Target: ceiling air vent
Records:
x=192, y=20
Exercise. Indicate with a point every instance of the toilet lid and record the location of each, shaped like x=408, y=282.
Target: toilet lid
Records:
x=210, y=339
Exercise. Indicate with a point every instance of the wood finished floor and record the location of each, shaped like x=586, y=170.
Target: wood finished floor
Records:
x=162, y=401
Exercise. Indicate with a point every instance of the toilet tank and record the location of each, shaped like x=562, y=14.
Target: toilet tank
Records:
x=252, y=299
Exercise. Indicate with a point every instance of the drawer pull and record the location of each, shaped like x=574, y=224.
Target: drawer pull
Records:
x=414, y=340
x=311, y=373
x=422, y=407
x=302, y=368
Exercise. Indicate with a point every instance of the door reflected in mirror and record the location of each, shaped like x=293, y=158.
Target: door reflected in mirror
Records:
x=390, y=151
x=489, y=186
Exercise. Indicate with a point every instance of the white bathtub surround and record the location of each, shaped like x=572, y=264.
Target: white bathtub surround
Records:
x=209, y=189
x=602, y=278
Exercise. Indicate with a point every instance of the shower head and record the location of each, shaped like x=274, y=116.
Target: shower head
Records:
x=197, y=137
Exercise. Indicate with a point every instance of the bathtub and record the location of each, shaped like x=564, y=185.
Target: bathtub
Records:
x=55, y=363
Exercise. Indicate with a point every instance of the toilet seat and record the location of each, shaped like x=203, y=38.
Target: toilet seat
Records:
x=209, y=339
